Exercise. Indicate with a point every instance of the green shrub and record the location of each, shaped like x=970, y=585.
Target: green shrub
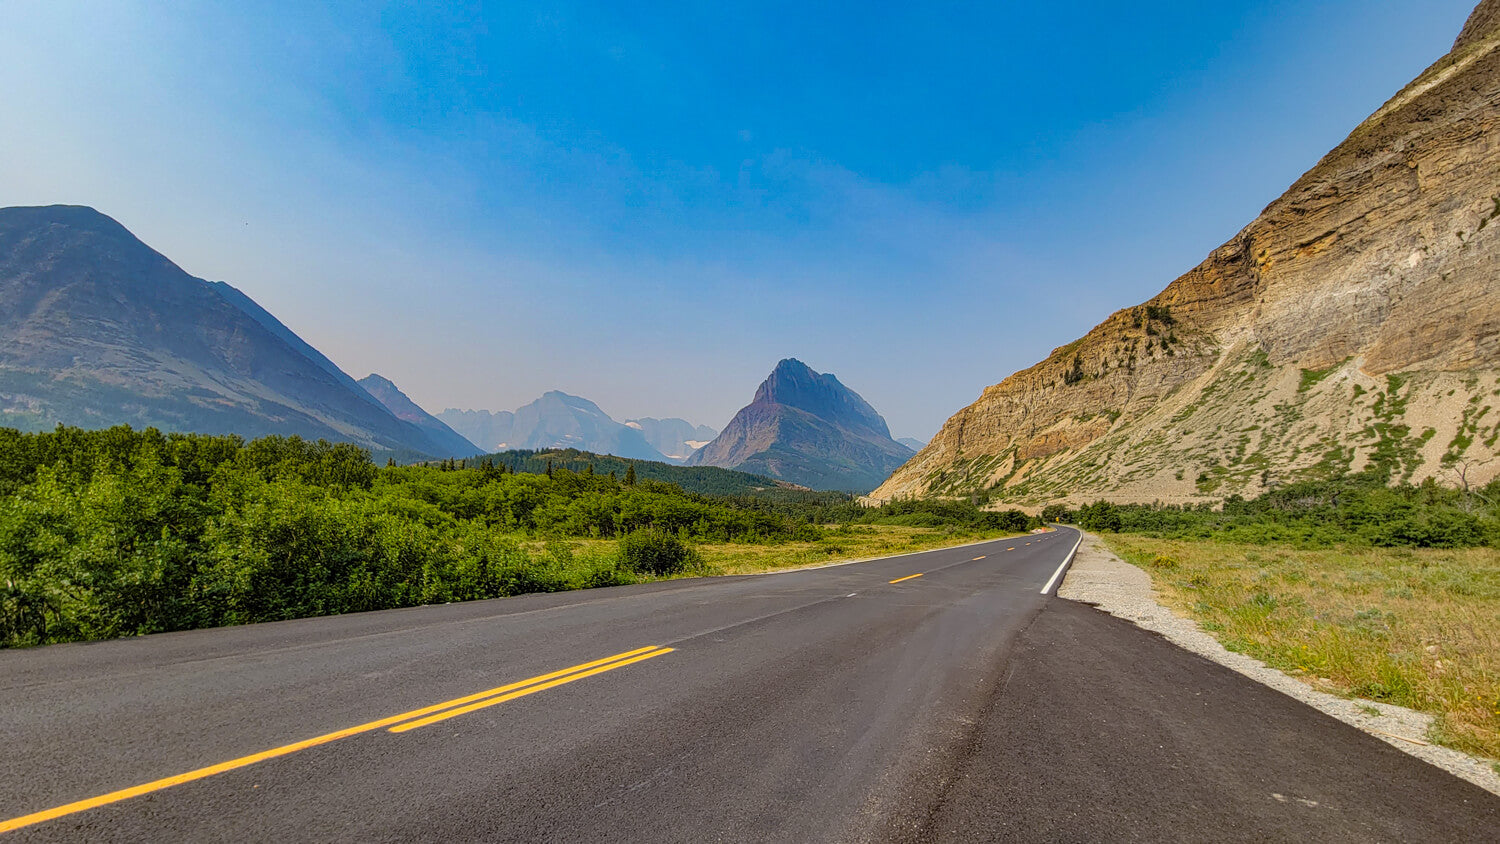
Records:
x=657, y=553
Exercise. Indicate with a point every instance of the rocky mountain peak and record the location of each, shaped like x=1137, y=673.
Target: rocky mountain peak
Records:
x=794, y=384
x=807, y=428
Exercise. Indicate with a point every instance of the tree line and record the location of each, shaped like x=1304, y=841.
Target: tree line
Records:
x=1359, y=509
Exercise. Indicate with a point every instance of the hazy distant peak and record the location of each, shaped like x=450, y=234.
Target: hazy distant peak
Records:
x=807, y=428
x=82, y=216
x=375, y=379
x=575, y=402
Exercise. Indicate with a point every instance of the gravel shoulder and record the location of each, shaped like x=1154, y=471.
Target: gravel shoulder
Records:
x=1098, y=577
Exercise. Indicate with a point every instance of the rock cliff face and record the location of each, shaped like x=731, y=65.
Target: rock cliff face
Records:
x=1355, y=324
x=807, y=428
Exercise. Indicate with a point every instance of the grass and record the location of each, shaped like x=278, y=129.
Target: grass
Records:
x=860, y=542
x=1419, y=628
x=857, y=542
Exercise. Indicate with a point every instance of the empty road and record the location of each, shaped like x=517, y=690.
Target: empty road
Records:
x=930, y=697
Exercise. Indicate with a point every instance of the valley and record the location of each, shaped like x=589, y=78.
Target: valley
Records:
x=1175, y=579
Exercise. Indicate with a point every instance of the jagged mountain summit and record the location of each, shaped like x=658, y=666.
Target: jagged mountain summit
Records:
x=98, y=329
x=808, y=429
x=556, y=420
x=676, y=438
x=1353, y=326
x=403, y=408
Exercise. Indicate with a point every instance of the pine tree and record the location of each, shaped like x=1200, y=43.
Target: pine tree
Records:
x=630, y=475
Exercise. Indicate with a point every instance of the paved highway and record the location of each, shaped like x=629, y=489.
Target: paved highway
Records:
x=931, y=697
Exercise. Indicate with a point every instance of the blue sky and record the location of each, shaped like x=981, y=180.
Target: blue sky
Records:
x=650, y=204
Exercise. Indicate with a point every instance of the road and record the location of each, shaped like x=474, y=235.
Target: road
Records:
x=930, y=697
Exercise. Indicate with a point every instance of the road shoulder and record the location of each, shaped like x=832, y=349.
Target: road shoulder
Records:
x=1100, y=578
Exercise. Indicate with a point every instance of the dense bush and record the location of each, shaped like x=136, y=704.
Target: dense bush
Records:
x=656, y=552
x=120, y=532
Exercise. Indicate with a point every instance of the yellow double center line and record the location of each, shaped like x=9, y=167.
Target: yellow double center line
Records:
x=397, y=724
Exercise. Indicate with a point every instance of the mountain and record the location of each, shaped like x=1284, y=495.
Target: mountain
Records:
x=490, y=431
x=912, y=443
x=98, y=329
x=808, y=429
x=403, y=408
x=1354, y=325
x=556, y=420
x=676, y=438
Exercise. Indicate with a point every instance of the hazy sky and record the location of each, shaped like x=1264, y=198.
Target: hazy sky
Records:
x=649, y=204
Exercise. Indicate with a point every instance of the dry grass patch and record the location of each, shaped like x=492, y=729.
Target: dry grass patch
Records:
x=856, y=542
x=1415, y=627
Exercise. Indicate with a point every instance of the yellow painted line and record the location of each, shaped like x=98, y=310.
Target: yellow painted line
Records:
x=1010, y=549
x=464, y=710
x=976, y=559
x=908, y=577
x=575, y=672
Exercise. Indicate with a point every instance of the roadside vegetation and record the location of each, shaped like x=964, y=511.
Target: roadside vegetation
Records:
x=1417, y=627
x=1384, y=593
x=120, y=532
x=1358, y=510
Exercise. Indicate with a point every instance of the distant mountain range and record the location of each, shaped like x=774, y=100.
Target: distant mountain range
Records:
x=912, y=443
x=809, y=429
x=676, y=438
x=558, y=420
x=98, y=329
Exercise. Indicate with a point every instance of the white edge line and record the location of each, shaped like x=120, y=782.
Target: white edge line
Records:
x=1060, y=569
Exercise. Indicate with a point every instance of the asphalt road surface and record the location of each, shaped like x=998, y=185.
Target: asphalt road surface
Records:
x=931, y=697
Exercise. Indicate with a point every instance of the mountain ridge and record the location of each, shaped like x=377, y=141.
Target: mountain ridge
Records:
x=100, y=329
x=402, y=407
x=676, y=438
x=1352, y=326
x=554, y=420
